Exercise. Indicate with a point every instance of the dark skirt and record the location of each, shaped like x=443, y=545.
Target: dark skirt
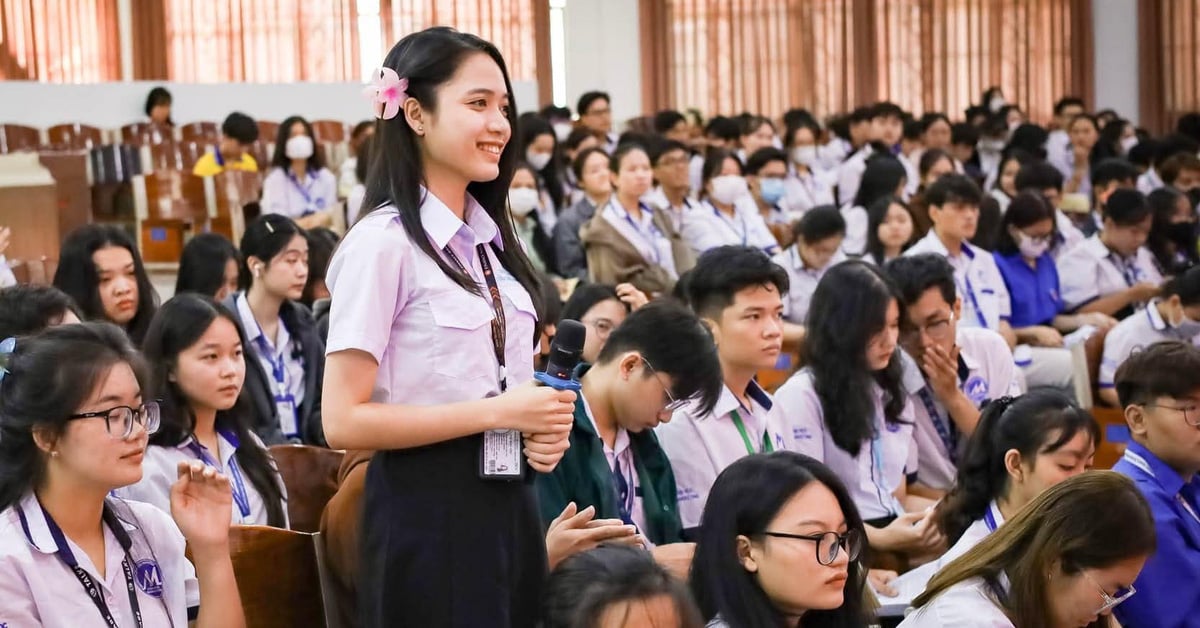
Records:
x=441, y=547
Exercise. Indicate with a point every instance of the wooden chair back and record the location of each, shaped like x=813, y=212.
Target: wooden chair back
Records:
x=330, y=131
x=75, y=136
x=16, y=138
x=200, y=132
x=278, y=576
x=310, y=475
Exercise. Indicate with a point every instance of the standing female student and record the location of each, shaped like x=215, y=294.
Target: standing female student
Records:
x=299, y=185
x=285, y=356
x=436, y=277
x=73, y=427
x=197, y=365
x=100, y=268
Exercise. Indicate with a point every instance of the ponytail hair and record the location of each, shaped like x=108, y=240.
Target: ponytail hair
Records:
x=1038, y=422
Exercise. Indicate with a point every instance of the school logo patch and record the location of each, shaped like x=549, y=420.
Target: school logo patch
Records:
x=149, y=578
x=320, y=203
x=801, y=433
x=893, y=427
x=976, y=389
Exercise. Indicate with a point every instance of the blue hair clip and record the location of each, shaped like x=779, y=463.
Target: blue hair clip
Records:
x=6, y=349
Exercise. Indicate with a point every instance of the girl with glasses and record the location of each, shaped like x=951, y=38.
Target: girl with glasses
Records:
x=781, y=544
x=74, y=422
x=1067, y=559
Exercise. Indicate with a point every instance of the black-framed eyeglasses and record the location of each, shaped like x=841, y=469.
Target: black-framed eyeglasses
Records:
x=828, y=544
x=119, y=420
x=672, y=404
x=937, y=331
x=1191, y=414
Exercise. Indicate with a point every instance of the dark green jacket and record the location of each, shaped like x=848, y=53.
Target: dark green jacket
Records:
x=584, y=477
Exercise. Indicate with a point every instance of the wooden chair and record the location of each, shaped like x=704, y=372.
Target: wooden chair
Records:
x=232, y=192
x=310, y=475
x=190, y=152
x=15, y=138
x=330, y=131
x=200, y=132
x=75, y=136
x=1114, y=436
x=267, y=131
x=146, y=134
x=170, y=203
x=278, y=576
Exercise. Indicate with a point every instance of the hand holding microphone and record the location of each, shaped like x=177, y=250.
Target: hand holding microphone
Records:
x=545, y=449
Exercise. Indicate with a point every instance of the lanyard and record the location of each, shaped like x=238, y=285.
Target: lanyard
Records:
x=498, y=323
x=945, y=429
x=1140, y=462
x=877, y=470
x=85, y=580
x=741, y=428
x=624, y=494
x=975, y=302
x=283, y=390
x=650, y=236
x=728, y=222
x=220, y=159
x=1129, y=270
x=304, y=190
x=989, y=519
x=241, y=496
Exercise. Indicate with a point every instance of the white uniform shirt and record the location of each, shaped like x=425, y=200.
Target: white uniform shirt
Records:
x=159, y=474
x=37, y=588
x=286, y=385
x=621, y=453
x=804, y=191
x=746, y=227
x=986, y=371
x=968, y=604
x=700, y=446
x=283, y=194
x=1135, y=333
x=643, y=234
x=354, y=203
x=980, y=284
x=1069, y=236
x=857, y=224
x=347, y=178
x=802, y=282
x=681, y=216
x=882, y=463
x=1149, y=181
x=850, y=174
x=1091, y=271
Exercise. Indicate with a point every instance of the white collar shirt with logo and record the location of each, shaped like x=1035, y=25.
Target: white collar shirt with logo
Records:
x=1091, y=271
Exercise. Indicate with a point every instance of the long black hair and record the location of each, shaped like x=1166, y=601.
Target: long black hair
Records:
x=849, y=307
x=533, y=126
x=50, y=376
x=1041, y=421
x=1173, y=244
x=78, y=277
x=202, y=265
x=279, y=159
x=882, y=177
x=428, y=59
x=179, y=324
x=744, y=500
x=877, y=215
x=1027, y=208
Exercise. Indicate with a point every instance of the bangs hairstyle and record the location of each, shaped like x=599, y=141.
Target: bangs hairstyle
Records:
x=266, y=237
x=78, y=276
x=427, y=60
x=1027, y=208
x=849, y=307
x=279, y=159
x=1038, y=422
x=202, y=265
x=585, y=297
x=1091, y=521
x=721, y=273
x=876, y=216
x=745, y=499
x=1164, y=369
x=50, y=377
x=179, y=325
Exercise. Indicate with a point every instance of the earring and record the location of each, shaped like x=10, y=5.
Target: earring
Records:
x=54, y=453
x=421, y=129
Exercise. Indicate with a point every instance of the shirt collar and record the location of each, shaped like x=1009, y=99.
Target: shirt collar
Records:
x=253, y=329
x=1165, y=476
x=1094, y=247
x=729, y=402
x=621, y=444
x=224, y=438
x=1156, y=319
x=934, y=243
x=442, y=225
x=36, y=526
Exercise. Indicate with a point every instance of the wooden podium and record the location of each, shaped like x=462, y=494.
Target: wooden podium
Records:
x=29, y=206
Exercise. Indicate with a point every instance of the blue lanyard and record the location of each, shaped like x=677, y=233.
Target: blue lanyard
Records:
x=85, y=579
x=238, y=485
x=624, y=493
x=220, y=159
x=974, y=301
x=306, y=192
x=989, y=519
x=744, y=235
x=1129, y=270
x=945, y=429
x=650, y=236
x=283, y=391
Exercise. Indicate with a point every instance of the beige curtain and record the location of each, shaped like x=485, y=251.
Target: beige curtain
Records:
x=60, y=41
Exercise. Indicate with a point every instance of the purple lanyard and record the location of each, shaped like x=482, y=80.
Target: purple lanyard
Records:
x=240, y=496
x=975, y=302
x=945, y=429
x=649, y=236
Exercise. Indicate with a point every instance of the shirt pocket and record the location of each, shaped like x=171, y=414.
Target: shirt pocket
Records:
x=521, y=318
x=462, y=336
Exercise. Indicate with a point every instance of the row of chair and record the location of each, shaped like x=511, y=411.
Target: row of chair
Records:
x=76, y=136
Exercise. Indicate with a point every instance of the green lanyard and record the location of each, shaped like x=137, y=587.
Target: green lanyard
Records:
x=766, y=442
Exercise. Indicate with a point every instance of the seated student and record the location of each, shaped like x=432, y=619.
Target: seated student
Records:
x=538, y=147
x=1181, y=171
x=738, y=292
x=577, y=141
x=883, y=132
x=807, y=185
x=758, y=132
x=601, y=309
x=321, y=245
x=628, y=241
x=73, y=427
x=1108, y=176
x=1023, y=256
x=781, y=540
x=100, y=269
x=524, y=201
x=958, y=368
x=7, y=278
x=358, y=191
x=847, y=407
x=934, y=164
x=616, y=586
x=654, y=362
x=1159, y=388
x=1004, y=188
x=1074, y=161
x=194, y=351
x=766, y=170
x=730, y=215
x=884, y=176
x=26, y=310
x=1173, y=233
x=285, y=358
x=890, y=230
x=1112, y=272
x=238, y=134
x=673, y=194
x=1040, y=176
x=299, y=185
x=209, y=265
x=348, y=173
x=1174, y=315
x=818, y=248
x=1066, y=559
x=595, y=187
x=1164, y=149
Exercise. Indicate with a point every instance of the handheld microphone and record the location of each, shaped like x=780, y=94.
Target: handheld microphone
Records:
x=565, y=353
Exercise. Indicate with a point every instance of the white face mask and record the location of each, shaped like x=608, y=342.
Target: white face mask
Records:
x=537, y=161
x=996, y=104
x=1031, y=248
x=727, y=189
x=1127, y=143
x=562, y=130
x=298, y=147
x=806, y=155
x=522, y=201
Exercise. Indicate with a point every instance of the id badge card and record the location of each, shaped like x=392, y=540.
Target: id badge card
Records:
x=500, y=456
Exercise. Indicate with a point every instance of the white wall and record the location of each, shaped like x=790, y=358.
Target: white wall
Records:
x=1115, y=37
x=603, y=50
x=112, y=105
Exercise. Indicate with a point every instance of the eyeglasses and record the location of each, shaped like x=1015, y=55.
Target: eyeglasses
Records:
x=1191, y=414
x=119, y=420
x=672, y=404
x=603, y=326
x=937, y=331
x=829, y=543
x=1111, y=602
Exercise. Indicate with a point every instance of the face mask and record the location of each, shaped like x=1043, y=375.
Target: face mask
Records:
x=522, y=201
x=1032, y=248
x=1185, y=327
x=771, y=190
x=537, y=161
x=1127, y=143
x=562, y=130
x=299, y=147
x=727, y=189
x=996, y=104
x=806, y=155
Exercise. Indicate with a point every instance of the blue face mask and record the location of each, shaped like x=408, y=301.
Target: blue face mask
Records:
x=771, y=190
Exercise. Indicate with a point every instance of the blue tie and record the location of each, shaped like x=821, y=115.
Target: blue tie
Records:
x=623, y=505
